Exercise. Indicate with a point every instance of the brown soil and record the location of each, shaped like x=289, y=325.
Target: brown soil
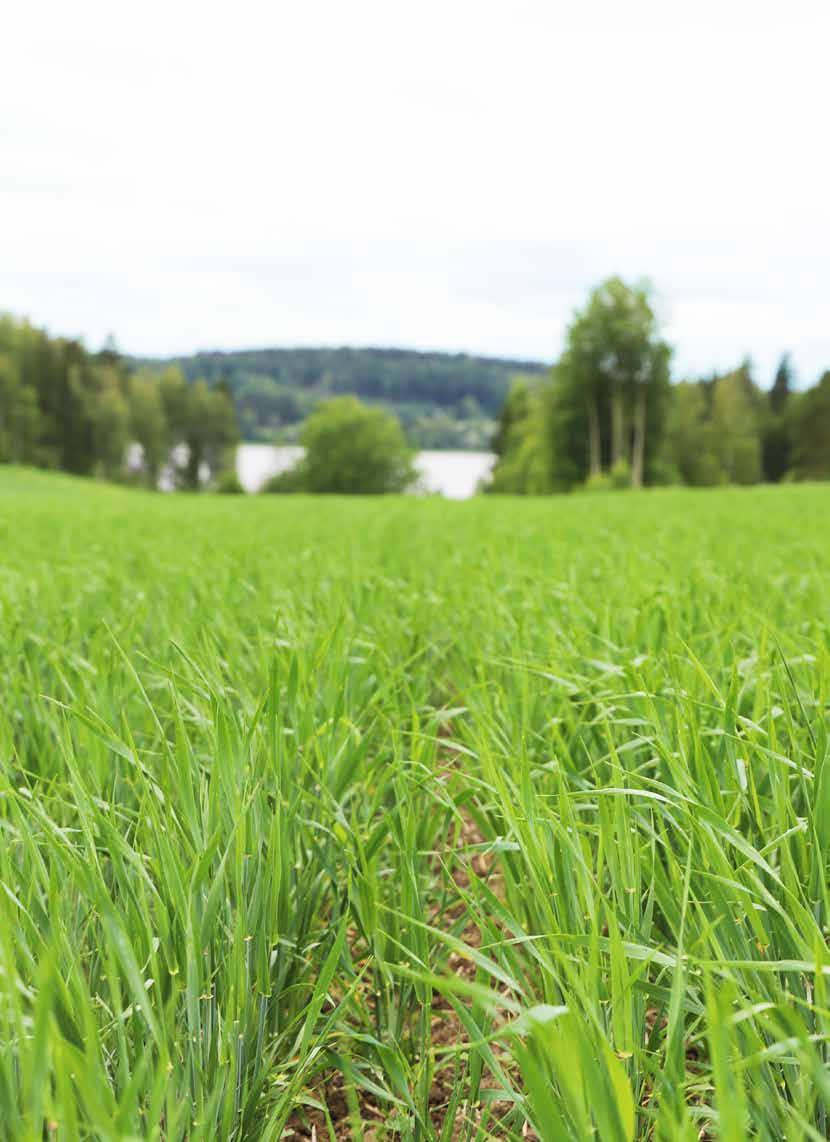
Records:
x=460, y=857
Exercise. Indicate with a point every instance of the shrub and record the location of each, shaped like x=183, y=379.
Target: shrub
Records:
x=601, y=482
x=229, y=484
x=291, y=480
x=620, y=475
x=354, y=449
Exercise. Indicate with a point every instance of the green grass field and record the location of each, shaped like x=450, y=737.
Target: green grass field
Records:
x=412, y=819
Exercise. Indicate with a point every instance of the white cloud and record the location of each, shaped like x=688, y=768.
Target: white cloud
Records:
x=450, y=174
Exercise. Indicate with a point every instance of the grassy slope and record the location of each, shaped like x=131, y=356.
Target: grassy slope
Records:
x=292, y=789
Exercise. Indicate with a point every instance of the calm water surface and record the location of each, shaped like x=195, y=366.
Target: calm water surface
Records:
x=452, y=474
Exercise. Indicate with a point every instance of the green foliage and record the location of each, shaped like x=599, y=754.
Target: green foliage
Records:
x=715, y=430
x=616, y=370
x=776, y=440
x=149, y=426
x=620, y=474
x=521, y=444
x=453, y=820
x=691, y=442
x=608, y=416
x=173, y=393
x=618, y=479
x=735, y=421
x=109, y=415
x=598, y=482
x=62, y=407
x=812, y=432
x=19, y=415
x=351, y=448
x=210, y=432
x=443, y=400
x=266, y=406
x=464, y=426
x=281, y=483
x=577, y=1087
x=782, y=385
x=513, y=415
x=229, y=484
x=604, y=406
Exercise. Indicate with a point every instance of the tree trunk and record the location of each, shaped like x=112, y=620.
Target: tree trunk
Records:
x=638, y=454
x=593, y=438
x=617, y=426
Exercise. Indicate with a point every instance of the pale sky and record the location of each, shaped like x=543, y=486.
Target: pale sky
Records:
x=448, y=174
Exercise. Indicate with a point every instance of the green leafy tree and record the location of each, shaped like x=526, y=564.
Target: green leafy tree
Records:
x=19, y=417
x=651, y=389
x=352, y=448
x=691, y=447
x=62, y=407
x=737, y=431
x=521, y=442
x=76, y=426
x=513, y=414
x=109, y=416
x=614, y=378
x=148, y=424
x=811, y=432
x=223, y=435
x=210, y=432
x=173, y=390
x=229, y=484
x=281, y=483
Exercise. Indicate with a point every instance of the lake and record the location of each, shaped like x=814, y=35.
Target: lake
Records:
x=452, y=474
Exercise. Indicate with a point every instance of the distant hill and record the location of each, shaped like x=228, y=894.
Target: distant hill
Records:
x=444, y=400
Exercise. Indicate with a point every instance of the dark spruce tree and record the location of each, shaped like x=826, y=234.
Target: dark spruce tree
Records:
x=777, y=432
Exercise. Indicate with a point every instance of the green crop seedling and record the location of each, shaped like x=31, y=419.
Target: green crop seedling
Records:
x=398, y=818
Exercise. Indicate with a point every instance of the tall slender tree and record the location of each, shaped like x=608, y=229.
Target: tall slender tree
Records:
x=148, y=426
x=616, y=366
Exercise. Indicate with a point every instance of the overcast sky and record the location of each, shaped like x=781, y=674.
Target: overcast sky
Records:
x=450, y=174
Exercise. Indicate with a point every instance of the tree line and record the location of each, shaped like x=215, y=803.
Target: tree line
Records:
x=64, y=407
x=443, y=400
x=608, y=416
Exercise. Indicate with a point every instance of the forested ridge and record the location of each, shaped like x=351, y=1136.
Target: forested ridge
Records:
x=442, y=399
